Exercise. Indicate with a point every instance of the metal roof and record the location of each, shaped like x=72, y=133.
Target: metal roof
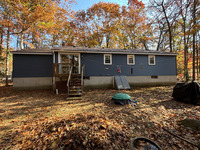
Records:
x=34, y=51
x=91, y=50
x=110, y=50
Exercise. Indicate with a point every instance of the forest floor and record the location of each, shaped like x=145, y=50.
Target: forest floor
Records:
x=40, y=119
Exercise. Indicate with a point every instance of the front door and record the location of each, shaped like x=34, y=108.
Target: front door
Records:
x=72, y=59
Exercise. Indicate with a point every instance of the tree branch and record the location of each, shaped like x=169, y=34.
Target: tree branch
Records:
x=198, y=146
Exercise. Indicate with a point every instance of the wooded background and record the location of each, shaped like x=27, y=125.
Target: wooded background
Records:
x=161, y=25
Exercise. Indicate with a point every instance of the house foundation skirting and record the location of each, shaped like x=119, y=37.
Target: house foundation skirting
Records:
x=108, y=81
x=99, y=82
x=151, y=80
x=94, y=82
x=33, y=83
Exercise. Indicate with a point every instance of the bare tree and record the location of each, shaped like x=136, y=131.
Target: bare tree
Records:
x=165, y=10
x=184, y=6
x=194, y=37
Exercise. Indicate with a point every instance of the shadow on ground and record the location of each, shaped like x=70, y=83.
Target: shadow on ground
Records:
x=15, y=106
x=154, y=110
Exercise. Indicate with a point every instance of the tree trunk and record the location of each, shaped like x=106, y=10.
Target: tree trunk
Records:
x=8, y=40
x=194, y=35
x=198, y=49
x=159, y=40
x=194, y=53
x=1, y=40
x=169, y=29
x=197, y=59
x=107, y=41
x=33, y=40
x=22, y=41
x=185, y=55
x=53, y=40
x=134, y=42
x=145, y=44
x=131, y=42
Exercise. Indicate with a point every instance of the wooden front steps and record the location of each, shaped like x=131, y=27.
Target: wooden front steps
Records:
x=75, y=87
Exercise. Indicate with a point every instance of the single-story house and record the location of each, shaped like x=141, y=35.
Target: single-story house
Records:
x=40, y=68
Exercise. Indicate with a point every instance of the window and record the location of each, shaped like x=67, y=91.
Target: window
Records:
x=131, y=59
x=152, y=60
x=107, y=59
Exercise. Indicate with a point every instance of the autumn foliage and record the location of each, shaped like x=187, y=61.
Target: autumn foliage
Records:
x=39, y=24
x=136, y=4
x=31, y=21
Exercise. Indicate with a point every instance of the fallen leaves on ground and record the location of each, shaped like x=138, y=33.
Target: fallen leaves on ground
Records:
x=42, y=120
x=74, y=132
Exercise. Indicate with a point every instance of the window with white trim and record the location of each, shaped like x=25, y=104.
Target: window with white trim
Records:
x=131, y=59
x=152, y=60
x=107, y=59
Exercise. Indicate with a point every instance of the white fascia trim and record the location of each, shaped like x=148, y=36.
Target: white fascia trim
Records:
x=115, y=53
x=32, y=53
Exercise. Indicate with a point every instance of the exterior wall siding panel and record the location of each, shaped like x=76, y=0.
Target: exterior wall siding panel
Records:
x=32, y=65
x=94, y=65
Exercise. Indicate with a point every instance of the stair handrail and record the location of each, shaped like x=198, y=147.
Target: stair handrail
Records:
x=82, y=73
x=69, y=78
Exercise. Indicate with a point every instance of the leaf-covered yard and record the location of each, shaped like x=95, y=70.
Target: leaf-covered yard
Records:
x=41, y=119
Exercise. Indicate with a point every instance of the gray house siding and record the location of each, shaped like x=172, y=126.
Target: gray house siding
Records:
x=35, y=70
x=94, y=65
x=32, y=71
x=32, y=65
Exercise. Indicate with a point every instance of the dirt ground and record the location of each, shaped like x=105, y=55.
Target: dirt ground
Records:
x=40, y=119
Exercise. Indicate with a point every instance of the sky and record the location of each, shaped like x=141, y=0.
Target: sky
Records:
x=85, y=4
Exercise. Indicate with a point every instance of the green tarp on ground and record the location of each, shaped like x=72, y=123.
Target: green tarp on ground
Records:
x=123, y=99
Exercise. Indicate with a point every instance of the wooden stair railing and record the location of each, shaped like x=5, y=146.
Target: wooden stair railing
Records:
x=68, y=81
x=82, y=74
x=75, y=87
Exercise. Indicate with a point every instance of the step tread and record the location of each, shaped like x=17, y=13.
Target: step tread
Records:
x=74, y=98
x=75, y=90
x=75, y=87
x=75, y=94
x=77, y=74
x=75, y=81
